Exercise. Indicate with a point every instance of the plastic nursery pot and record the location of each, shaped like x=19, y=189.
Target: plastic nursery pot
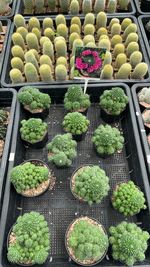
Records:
x=70, y=251
x=145, y=115
x=41, y=113
x=108, y=118
x=77, y=137
x=39, y=144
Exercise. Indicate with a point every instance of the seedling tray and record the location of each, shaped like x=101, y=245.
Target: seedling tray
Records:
x=59, y=206
x=138, y=8
x=142, y=22
x=138, y=112
x=6, y=82
x=6, y=23
x=7, y=100
x=13, y=6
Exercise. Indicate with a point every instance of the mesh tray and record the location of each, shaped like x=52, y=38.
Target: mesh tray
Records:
x=59, y=206
x=5, y=23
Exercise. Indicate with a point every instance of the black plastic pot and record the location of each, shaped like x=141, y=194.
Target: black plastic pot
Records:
x=42, y=115
x=13, y=6
x=142, y=129
x=39, y=144
x=79, y=137
x=142, y=22
x=59, y=207
x=6, y=82
x=108, y=118
x=5, y=22
x=142, y=8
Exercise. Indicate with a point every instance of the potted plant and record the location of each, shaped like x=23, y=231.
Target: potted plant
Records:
x=34, y=132
x=86, y=241
x=32, y=178
x=129, y=243
x=28, y=241
x=34, y=101
x=89, y=183
x=128, y=199
x=4, y=119
x=4, y=7
x=112, y=103
x=76, y=124
x=62, y=150
x=146, y=119
x=107, y=140
x=144, y=97
x=76, y=100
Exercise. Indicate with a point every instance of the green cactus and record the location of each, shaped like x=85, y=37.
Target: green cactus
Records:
x=125, y=23
x=113, y=21
x=108, y=58
x=62, y=30
x=124, y=71
x=119, y=48
x=64, y=5
x=61, y=49
x=17, y=63
x=30, y=57
x=101, y=31
x=74, y=7
x=112, y=6
x=44, y=59
x=32, y=41
x=123, y=4
x=101, y=20
x=18, y=40
x=43, y=40
x=76, y=20
x=103, y=36
x=90, y=44
x=61, y=73
x=16, y=76
x=115, y=29
x=89, y=29
x=116, y=39
x=144, y=95
x=48, y=32
x=120, y=60
x=35, y=54
x=132, y=37
x=139, y=71
x=28, y=6
x=37, y=33
x=89, y=19
x=48, y=49
x=3, y=116
x=132, y=47
x=60, y=19
x=76, y=43
x=19, y=21
x=135, y=58
x=17, y=51
x=4, y=7
x=62, y=61
x=39, y=6
x=107, y=72
x=75, y=123
x=72, y=61
x=130, y=29
x=51, y=5
x=33, y=23
x=23, y=31
x=104, y=43
x=86, y=6
x=47, y=23
x=99, y=6
x=45, y=73
x=75, y=28
x=88, y=39
x=31, y=73
x=58, y=39
x=73, y=36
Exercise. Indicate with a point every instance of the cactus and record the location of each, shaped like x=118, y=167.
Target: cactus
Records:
x=104, y=37
x=62, y=30
x=37, y=33
x=39, y=6
x=124, y=71
x=44, y=59
x=74, y=7
x=99, y=6
x=17, y=51
x=119, y=48
x=132, y=47
x=35, y=54
x=33, y=23
x=112, y=6
x=23, y=31
x=113, y=21
x=139, y=71
x=116, y=39
x=125, y=23
x=60, y=19
x=76, y=20
x=89, y=19
x=51, y=5
x=115, y=29
x=28, y=6
x=31, y=73
x=72, y=61
x=90, y=44
x=64, y=5
x=101, y=20
x=120, y=60
x=61, y=73
x=104, y=43
x=19, y=21
x=48, y=49
x=88, y=39
x=75, y=28
x=32, y=41
x=62, y=61
x=101, y=31
x=107, y=59
x=132, y=37
x=76, y=43
x=107, y=72
x=16, y=76
x=45, y=73
x=48, y=32
x=47, y=23
x=61, y=49
x=86, y=6
x=73, y=36
x=89, y=29
x=4, y=7
x=131, y=28
x=43, y=40
x=17, y=63
x=123, y=4
x=135, y=58
x=30, y=57
x=18, y=40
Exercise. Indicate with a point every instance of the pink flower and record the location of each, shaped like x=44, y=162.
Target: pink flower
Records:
x=95, y=54
x=80, y=64
x=86, y=52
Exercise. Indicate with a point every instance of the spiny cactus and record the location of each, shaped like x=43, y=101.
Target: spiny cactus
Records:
x=120, y=60
x=75, y=28
x=73, y=36
x=103, y=36
x=107, y=72
x=74, y=7
x=60, y=73
x=35, y=52
x=17, y=63
x=16, y=76
x=48, y=49
x=28, y=6
x=112, y=6
x=19, y=21
x=101, y=31
x=4, y=7
x=33, y=23
x=101, y=20
x=144, y=95
x=104, y=43
x=89, y=19
x=17, y=51
x=124, y=71
x=62, y=61
x=51, y=5
x=32, y=41
x=48, y=32
x=39, y=6
x=37, y=32
x=44, y=59
x=107, y=59
x=99, y=6
x=132, y=47
x=23, y=31
x=123, y=4
x=60, y=19
x=135, y=58
x=64, y=5
x=18, y=40
x=118, y=49
x=131, y=28
x=30, y=57
x=86, y=6
x=62, y=30
x=60, y=48
x=76, y=20
x=43, y=40
x=139, y=71
x=125, y=23
x=76, y=43
x=31, y=73
x=87, y=39
x=47, y=23
x=89, y=29
x=132, y=37
x=3, y=116
x=45, y=73
x=115, y=29
x=116, y=39
x=112, y=21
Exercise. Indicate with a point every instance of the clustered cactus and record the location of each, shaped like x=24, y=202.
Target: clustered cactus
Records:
x=144, y=96
x=62, y=150
x=29, y=240
x=128, y=199
x=90, y=184
x=41, y=53
x=114, y=101
x=33, y=130
x=75, y=123
x=128, y=242
x=146, y=117
x=4, y=7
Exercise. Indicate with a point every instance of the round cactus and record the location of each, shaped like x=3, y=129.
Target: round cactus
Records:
x=75, y=28
x=135, y=58
x=48, y=32
x=113, y=21
x=120, y=60
x=17, y=63
x=73, y=36
x=33, y=23
x=61, y=48
x=123, y=4
x=76, y=20
x=32, y=41
x=101, y=31
x=107, y=72
x=112, y=6
x=37, y=32
x=64, y=5
x=107, y=59
x=48, y=49
x=99, y=6
x=104, y=43
x=86, y=6
x=28, y=6
x=23, y=31
x=61, y=73
x=62, y=30
x=47, y=23
x=139, y=71
x=89, y=19
x=31, y=73
x=131, y=28
x=125, y=23
x=124, y=71
x=52, y=5
x=132, y=47
x=16, y=76
x=74, y=7
x=62, y=61
x=118, y=49
x=60, y=19
x=39, y=6
x=116, y=39
x=17, y=51
x=44, y=59
x=115, y=29
x=101, y=20
x=19, y=21
x=89, y=29
x=45, y=73
x=30, y=57
x=18, y=40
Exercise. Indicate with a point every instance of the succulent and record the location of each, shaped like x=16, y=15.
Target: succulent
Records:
x=75, y=99
x=45, y=73
x=101, y=20
x=104, y=43
x=32, y=41
x=86, y=6
x=132, y=37
x=90, y=184
x=4, y=7
x=107, y=140
x=44, y=59
x=75, y=123
x=89, y=19
x=120, y=60
x=115, y=29
x=124, y=71
x=139, y=71
x=17, y=51
x=47, y=23
x=18, y=40
x=61, y=73
x=61, y=48
x=30, y=57
x=48, y=49
x=60, y=19
x=19, y=21
x=144, y=95
x=51, y=4
x=3, y=116
x=130, y=29
x=114, y=101
x=107, y=72
x=64, y=5
x=123, y=4
x=112, y=5
x=33, y=23
x=62, y=30
x=39, y=6
x=112, y=21
x=28, y=6
x=37, y=32
x=16, y=76
x=132, y=47
x=118, y=49
x=128, y=242
x=3, y=131
x=125, y=23
x=74, y=7
x=22, y=31
x=87, y=240
x=32, y=240
x=147, y=117
x=99, y=6
x=116, y=39
x=107, y=59
x=62, y=150
x=135, y=58
x=33, y=98
x=31, y=73
x=33, y=130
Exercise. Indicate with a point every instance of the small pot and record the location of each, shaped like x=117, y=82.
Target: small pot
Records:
x=38, y=144
x=79, y=137
x=145, y=5
x=70, y=252
x=108, y=118
x=146, y=114
x=41, y=113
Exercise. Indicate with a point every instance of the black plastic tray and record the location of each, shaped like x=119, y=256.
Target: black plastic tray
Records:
x=142, y=21
x=19, y=10
x=138, y=111
x=8, y=100
x=7, y=23
x=13, y=6
x=6, y=82
x=138, y=8
x=59, y=206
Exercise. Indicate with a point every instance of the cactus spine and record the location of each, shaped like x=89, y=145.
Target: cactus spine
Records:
x=74, y=7
x=115, y=29
x=89, y=19
x=32, y=41
x=17, y=51
x=99, y=6
x=48, y=49
x=132, y=37
x=131, y=28
x=45, y=73
x=16, y=76
x=17, y=63
x=23, y=31
x=44, y=59
x=125, y=23
x=139, y=71
x=132, y=47
x=118, y=49
x=19, y=21
x=112, y=5
x=104, y=43
x=86, y=6
x=31, y=73
x=89, y=29
x=101, y=20
x=107, y=72
x=124, y=71
x=135, y=58
x=47, y=23
x=116, y=39
x=18, y=40
x=61, y=48
x=33, y=23
x=30, y=57
x=120, y=60
x=61, y=73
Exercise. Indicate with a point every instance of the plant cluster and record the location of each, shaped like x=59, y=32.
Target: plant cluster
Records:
x=147, y=26
x=30, y=242
x=4, y=7
x=87, y=240
x=114, y=101
x=146, y=116
x=91, y=184
x=107, y=140
x=40, y=49
x=28, y=175
x=33, y=98
x=128, y=199
x=33, y=130
x=75, y=123
x=75, y=99
x=62, y=150
x=144, y=95
x=129, y=243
